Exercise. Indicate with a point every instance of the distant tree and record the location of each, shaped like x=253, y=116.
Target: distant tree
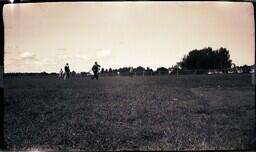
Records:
x=115, y=71
x=110, y=72
x=224, y=59
x=53, y=73
x=148, y=71
x=73, y=73
x=123, y=70
x=102, y=70
x=84, y=74
x=139, y=69
x=206, y=58
x=43, y=73
x=246, y=68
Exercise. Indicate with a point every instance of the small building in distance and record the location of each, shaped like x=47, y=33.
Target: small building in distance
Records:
x=162, y=71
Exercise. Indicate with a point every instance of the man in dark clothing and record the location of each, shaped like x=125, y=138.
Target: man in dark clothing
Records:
x=67, y=71
x=95, y=70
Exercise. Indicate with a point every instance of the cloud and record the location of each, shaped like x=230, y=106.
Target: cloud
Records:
x=27, y=56
x=30, y=58
x=103, y=54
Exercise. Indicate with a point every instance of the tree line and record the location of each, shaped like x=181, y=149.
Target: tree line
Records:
x=197, y=61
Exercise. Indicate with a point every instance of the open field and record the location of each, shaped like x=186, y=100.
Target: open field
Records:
x=189, y=112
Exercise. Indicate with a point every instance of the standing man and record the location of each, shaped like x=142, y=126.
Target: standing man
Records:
x=95, y=70
x=67, y=71
x=61, y=73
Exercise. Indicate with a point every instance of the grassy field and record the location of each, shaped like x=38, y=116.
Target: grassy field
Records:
x=189, y=112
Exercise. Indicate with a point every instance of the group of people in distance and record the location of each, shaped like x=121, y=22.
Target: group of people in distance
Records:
x=66, y=74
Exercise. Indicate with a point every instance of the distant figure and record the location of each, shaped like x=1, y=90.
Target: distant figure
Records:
x=131, y=72
x=95, y=70
x=67, y=71
x=61, y=73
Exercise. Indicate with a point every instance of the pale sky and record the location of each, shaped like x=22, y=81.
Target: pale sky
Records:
x=44, y=36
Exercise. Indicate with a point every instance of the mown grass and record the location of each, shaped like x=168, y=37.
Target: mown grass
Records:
x=190, y=112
